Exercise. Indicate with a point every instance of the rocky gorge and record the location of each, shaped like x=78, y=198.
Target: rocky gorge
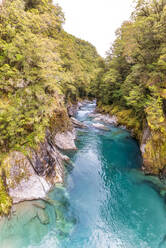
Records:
x=35, y=207
x=82, y=138
x=33, y=176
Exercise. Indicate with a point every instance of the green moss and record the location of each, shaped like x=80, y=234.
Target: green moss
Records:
x=60, y=122
x=9, y=179
x=126, y=117
x=155, y=153
x=5, y=200
x=14, y=167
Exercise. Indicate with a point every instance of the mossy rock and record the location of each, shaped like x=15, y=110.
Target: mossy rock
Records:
x=59, y=121
x=155, y=153
x=5, y=200
x=126, y=117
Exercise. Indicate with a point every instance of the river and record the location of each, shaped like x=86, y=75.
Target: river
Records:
x=106, y=201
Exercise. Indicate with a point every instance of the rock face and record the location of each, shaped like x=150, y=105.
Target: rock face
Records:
x=65, y=140
x=145, y=136
x=72, y=109
x=153, y=148
x=31, y=176
x=24, y=183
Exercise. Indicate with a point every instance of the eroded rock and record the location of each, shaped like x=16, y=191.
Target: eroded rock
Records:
x=94, y=115
x=153, y=148
x=65, y=140
x=43, y=216
x=106, y=118
x=77, y=124
x=100, y=126
x=72, y=109
x=32, y=177
x=39, y=204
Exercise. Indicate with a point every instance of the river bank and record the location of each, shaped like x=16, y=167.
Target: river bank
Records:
x=152, y=142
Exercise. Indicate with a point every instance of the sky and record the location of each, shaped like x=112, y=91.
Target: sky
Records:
x=95, y=20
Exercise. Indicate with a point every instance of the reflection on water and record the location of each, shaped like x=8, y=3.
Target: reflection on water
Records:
x=107, y=202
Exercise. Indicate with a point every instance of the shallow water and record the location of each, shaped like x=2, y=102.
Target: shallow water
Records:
x=105, y=203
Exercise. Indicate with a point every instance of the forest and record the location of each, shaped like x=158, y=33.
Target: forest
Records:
x=40, y=65
x=132, y=84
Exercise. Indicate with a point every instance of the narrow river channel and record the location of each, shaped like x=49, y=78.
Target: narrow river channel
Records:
x=106, y=201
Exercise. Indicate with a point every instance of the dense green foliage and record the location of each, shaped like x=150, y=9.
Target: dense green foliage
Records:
x=40, y=65
x=134, y=77
x=132, y=83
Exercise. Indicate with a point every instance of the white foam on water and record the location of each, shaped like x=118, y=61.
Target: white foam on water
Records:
x=82, y=113
x=50, y=241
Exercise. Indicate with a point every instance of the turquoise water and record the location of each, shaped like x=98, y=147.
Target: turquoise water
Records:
x=106, y=202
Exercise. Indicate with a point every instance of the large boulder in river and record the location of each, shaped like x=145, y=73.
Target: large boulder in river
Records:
x=100, y=126
x=77, y=124
x=105, y=118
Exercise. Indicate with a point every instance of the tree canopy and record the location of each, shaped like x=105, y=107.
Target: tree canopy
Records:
x=133, y=81
x=40, y=65
x=134, y=76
